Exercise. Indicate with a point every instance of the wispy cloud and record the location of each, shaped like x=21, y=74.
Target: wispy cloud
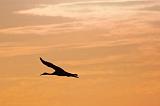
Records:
x=18, y=51
x=155, y=8
x=45, y=29
x=83, y=10
x=117, y=29
x=87, y=14
x=9, y=49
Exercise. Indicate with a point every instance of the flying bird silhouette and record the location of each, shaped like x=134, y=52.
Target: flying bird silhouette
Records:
x=58, y=71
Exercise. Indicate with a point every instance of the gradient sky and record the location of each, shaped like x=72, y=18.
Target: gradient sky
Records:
x=114, y=45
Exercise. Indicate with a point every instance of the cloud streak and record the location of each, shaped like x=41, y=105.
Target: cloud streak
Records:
x=127, y=29
x=85, y=14
x=45, y=29
x=83, y=10
x=155, y=8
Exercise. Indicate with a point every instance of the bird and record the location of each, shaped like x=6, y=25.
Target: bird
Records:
x=58, y=70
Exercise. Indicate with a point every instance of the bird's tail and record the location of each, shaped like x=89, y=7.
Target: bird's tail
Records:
x=75, y=75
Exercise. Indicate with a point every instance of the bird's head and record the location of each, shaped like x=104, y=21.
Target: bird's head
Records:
x=45, y=73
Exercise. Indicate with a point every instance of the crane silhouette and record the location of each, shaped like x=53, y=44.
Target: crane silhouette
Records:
x=58, y=71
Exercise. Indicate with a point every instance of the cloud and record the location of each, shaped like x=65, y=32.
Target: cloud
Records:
x=86, y=15
x=155, y=8
x=44, y=29
x=92, y=61
x=154, y=23
x=58, y=28
x=83, y=10
x=127, y=29
x=9, y=49
x=17, y=51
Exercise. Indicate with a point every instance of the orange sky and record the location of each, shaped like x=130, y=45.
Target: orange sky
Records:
x=112, y=44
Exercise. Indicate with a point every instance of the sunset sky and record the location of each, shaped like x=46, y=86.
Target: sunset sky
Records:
x=114, y=46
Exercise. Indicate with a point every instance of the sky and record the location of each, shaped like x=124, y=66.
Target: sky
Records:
x=114, y=46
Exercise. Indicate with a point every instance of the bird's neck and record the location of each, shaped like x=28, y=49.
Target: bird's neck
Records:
x=47, y=74
x=50, y=73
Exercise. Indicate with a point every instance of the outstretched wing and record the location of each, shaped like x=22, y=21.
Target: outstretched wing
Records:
x=56, y=68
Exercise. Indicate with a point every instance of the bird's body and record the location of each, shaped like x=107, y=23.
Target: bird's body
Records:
x=58, y=71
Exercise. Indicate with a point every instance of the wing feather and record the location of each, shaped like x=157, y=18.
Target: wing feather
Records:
x=50, y=64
